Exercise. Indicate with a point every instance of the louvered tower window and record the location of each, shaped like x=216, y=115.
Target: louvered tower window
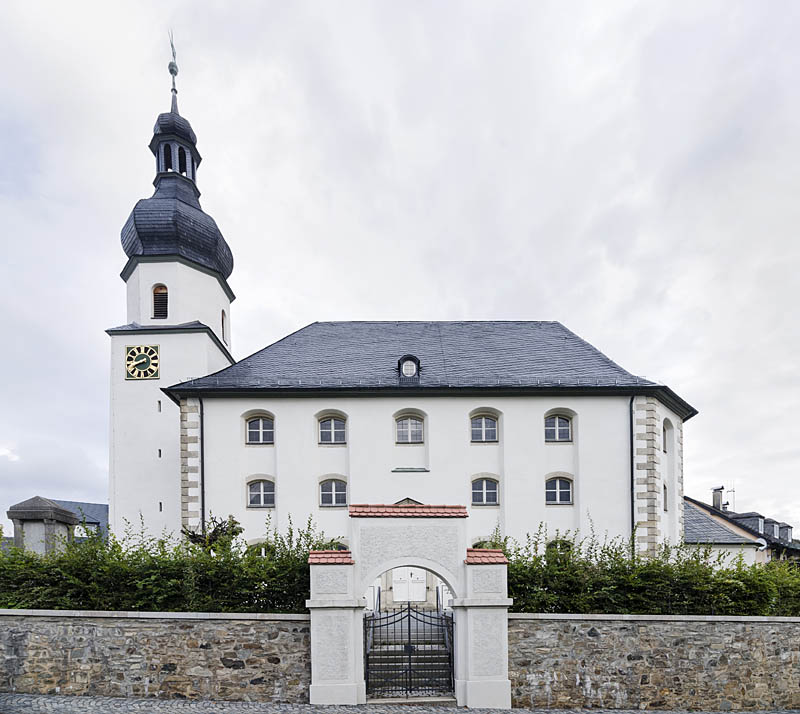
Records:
x=182, y=161
x=167, y=157
x=160, y=305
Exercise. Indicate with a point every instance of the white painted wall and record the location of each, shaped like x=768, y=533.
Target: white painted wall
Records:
x=140, y=479
x=193, y=295
x=597, y=459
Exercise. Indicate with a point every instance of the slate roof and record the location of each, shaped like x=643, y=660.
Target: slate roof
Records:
x=396, y=510
x=504, y=355
x=174, y=123
x=94, y=513
x=699, y=527
x=485, y=556
x=171, y=222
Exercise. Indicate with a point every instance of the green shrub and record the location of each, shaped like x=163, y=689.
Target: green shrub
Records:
x=567, y=575
x=217, y=573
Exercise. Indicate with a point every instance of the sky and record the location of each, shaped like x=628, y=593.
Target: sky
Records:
x=629, y=169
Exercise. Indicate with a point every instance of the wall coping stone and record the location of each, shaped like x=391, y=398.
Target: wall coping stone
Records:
x=646, y=618
x=262, y=616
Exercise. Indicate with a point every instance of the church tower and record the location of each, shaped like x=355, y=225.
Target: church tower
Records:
x=178, y=327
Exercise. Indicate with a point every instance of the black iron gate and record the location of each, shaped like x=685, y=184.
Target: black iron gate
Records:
x=408, y=652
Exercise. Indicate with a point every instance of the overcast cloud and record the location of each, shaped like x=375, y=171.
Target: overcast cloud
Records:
x=629, y=169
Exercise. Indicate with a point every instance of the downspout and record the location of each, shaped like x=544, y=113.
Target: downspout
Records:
x=633, y=467
x=202, y=472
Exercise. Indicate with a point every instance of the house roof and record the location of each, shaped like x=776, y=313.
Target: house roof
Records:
x=699, y=527
x=397, y=510
x=734, y=518
x=503, y=356
x=94, y=513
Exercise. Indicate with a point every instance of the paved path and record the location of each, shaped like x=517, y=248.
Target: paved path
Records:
x=41, y=704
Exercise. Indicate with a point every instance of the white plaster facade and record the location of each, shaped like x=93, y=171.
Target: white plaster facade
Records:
x=145, y=483
x=597, y=460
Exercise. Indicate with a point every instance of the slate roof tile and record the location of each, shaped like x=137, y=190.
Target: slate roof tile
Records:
x=469, y=354
x=699, y=527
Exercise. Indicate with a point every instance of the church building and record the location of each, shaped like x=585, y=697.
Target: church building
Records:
x=515, y=423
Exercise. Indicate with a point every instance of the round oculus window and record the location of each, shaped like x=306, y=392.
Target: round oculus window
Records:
x=409, y=368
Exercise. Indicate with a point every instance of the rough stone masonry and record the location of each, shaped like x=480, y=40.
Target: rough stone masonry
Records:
x=659, y=662
x=171, y=655
x=555, y=661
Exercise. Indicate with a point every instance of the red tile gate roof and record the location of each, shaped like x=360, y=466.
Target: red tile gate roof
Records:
x=394, y=510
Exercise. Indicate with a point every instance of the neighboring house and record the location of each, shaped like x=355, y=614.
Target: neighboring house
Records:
x=41, y=523
x=701, y=528
x=775, y=536
x=521, y=422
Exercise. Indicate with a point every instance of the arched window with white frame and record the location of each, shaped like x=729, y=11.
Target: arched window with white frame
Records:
x=333, y=492
x=558, y=491
x=409, y=429
x=332, y=429
x=485, y=492
x=557, y=427
x=260, y=430
x=261, y=494
x=483, y=428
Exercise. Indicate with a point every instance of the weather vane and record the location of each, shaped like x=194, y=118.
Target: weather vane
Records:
x=173, y=66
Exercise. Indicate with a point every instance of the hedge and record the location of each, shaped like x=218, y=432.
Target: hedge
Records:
x=218, y=572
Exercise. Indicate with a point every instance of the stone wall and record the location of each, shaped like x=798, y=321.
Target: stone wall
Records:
x=169, y=655
x=643, y=662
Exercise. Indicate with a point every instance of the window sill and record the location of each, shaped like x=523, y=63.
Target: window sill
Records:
x=340, y=507
x=409, y=443
x=260, y=508
x=558, y=441
x=559, y=504
x=328, y=445
x=486, y=505
x=259, y=443
x=410, y=470
x=486, y=442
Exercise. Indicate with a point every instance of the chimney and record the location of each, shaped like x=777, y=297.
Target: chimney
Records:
x=717, y=497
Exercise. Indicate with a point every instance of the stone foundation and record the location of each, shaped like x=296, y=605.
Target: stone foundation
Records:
x=169, y=655
x=643, y=662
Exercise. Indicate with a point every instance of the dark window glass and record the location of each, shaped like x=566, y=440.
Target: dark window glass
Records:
x=167, y=157
x=557, y=428
x=261, y=430
x=333, y=493
x=182, y=161
x=261, y=493
x=409, y=430
x=484, y=491
x=484, y=428
x=558, y=490
x=332, y=431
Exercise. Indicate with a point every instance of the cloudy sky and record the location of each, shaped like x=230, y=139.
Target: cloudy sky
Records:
x=630, y=169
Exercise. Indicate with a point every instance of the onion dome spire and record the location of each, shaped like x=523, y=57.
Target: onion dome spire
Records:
x=171, y=222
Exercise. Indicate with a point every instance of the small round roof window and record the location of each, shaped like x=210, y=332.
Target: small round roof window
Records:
x=409, y=368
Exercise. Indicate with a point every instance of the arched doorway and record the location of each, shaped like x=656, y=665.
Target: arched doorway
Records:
x=409, y=636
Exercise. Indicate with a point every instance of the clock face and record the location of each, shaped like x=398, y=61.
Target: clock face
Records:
x=141, y=362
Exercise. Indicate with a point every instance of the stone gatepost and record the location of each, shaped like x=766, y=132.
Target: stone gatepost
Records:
x=337, y=639
x=41, y=525
x=481, y=622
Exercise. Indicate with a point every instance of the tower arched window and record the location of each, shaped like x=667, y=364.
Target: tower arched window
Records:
x=224, y=334
x=333, y=492
x=261, y=494
x=167, y=150
x=558, y=491
x=160, y=302
x=182, y=161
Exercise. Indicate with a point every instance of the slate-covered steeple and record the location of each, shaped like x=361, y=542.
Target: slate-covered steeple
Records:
x=172, y=222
